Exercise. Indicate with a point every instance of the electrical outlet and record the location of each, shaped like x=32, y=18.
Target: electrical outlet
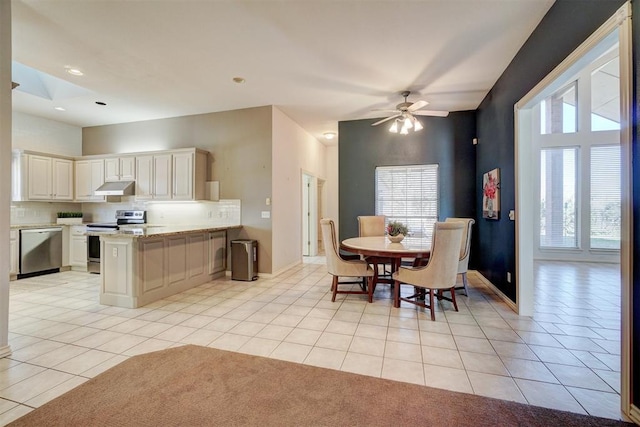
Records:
x=115, y=252
x=508, y=276
x=266, y=214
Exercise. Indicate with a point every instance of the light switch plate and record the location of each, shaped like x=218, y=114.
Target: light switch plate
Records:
x=512, y=215
x=266, y=214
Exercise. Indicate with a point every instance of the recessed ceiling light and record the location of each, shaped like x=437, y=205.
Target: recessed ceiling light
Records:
x=59, y=108
x=329, y=135
x=101, y=103
x=239, y=80
x=74, y=71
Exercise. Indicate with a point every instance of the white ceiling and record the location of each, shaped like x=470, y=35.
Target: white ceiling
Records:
x=319, y=61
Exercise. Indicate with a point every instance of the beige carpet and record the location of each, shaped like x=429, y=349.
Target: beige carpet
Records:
x=195, y=386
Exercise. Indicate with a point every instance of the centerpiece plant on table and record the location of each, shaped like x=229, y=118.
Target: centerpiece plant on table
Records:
x=396, y=231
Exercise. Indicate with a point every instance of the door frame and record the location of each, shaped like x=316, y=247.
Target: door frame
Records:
x=620, y=21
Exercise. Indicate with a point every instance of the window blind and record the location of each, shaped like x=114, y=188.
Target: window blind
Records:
x=605, y=197
x=558, y=207
x=408, y=194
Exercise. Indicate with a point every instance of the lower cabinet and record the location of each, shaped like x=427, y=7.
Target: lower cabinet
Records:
x=13, y=252
x=217, y=252
x=138, y=271
x=78, y=248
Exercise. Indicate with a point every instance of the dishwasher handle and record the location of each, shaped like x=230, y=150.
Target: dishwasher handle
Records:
x=40, y=230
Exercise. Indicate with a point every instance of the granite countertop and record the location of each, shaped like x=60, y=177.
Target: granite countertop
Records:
x=147, y=230
x=28, y=226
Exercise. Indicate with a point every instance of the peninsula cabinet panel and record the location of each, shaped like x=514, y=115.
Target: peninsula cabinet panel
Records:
x=197, y=252
x=152, y=261
x=115, y=271
x=176, y=259
x=217, y=252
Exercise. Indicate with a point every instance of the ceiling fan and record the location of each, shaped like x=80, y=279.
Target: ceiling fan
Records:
x=405, y=113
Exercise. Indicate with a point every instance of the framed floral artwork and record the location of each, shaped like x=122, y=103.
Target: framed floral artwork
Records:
x=491, y=194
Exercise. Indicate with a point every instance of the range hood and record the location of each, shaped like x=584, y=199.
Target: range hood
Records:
x=116, y=188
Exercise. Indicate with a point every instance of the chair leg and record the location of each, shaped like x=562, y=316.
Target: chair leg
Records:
x=396, y=294
x=370, y=288
x=453, y=297
x=334, y=288
x=431, y=305
x=464, y=282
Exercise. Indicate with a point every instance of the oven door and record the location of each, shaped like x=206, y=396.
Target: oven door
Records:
x=93, y=254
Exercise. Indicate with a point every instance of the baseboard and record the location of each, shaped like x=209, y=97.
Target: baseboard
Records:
x=5, y=351
x=512, y=305
x=634, y=414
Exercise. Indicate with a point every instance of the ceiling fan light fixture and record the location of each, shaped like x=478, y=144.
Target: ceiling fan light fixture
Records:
x=417, y=126
x=394, y=127
x=407, y=123
x=404, y=130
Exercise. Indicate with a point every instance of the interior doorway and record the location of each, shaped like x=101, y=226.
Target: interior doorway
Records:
x=572, y=233
x=311, y=191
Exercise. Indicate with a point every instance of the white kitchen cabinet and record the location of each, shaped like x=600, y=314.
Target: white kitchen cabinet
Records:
x=120, y=168
x=183, y=176
x=13, y=252
x=49, y=178
x=136, y=272
x=89, y=176
x=217, y=252
x=78, y=248
x=172, y=175
x=154, y=177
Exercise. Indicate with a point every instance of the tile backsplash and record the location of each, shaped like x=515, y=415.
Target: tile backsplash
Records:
x=40, y=212
x=222, y=212
x=216, y=213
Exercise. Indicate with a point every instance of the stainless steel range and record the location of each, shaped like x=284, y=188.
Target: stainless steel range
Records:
x=123, y=217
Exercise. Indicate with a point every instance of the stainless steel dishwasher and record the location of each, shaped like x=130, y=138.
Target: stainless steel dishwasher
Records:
x=40, y=250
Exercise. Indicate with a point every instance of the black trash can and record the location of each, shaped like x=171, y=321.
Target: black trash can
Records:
x=244, y=260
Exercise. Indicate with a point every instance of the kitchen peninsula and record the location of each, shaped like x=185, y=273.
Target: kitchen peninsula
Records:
x=141, y=265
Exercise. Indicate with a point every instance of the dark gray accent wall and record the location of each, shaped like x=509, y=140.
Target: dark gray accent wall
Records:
x=567, y=24
x=445, y=141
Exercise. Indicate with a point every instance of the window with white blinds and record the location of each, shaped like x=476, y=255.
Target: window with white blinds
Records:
x=558, y=198
x=408, y=194
x=605, y=197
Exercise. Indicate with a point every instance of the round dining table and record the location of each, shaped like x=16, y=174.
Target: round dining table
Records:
x=416, y=248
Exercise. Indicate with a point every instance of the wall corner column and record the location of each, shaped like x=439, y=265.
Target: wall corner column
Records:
x=5, y=169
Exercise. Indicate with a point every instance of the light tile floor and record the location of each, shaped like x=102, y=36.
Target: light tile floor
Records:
x=566, y=357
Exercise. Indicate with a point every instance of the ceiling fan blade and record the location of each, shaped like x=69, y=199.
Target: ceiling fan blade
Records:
x=384, y=120
x=431, y=113
x=417, y=105
x=384, y=110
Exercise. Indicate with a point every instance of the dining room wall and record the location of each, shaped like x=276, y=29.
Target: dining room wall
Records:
x=445, y=141
x=561, y=31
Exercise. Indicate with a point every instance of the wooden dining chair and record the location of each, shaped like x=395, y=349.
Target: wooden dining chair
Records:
x=465, y=249
x=339, y=267
x=438, y=275
x=374, y=225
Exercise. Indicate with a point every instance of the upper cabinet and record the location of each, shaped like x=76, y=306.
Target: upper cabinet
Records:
x=38, y=177
x=89, y=176
x=174, y=175
x=120, y=168
x=179, y=174
x=153, y=177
